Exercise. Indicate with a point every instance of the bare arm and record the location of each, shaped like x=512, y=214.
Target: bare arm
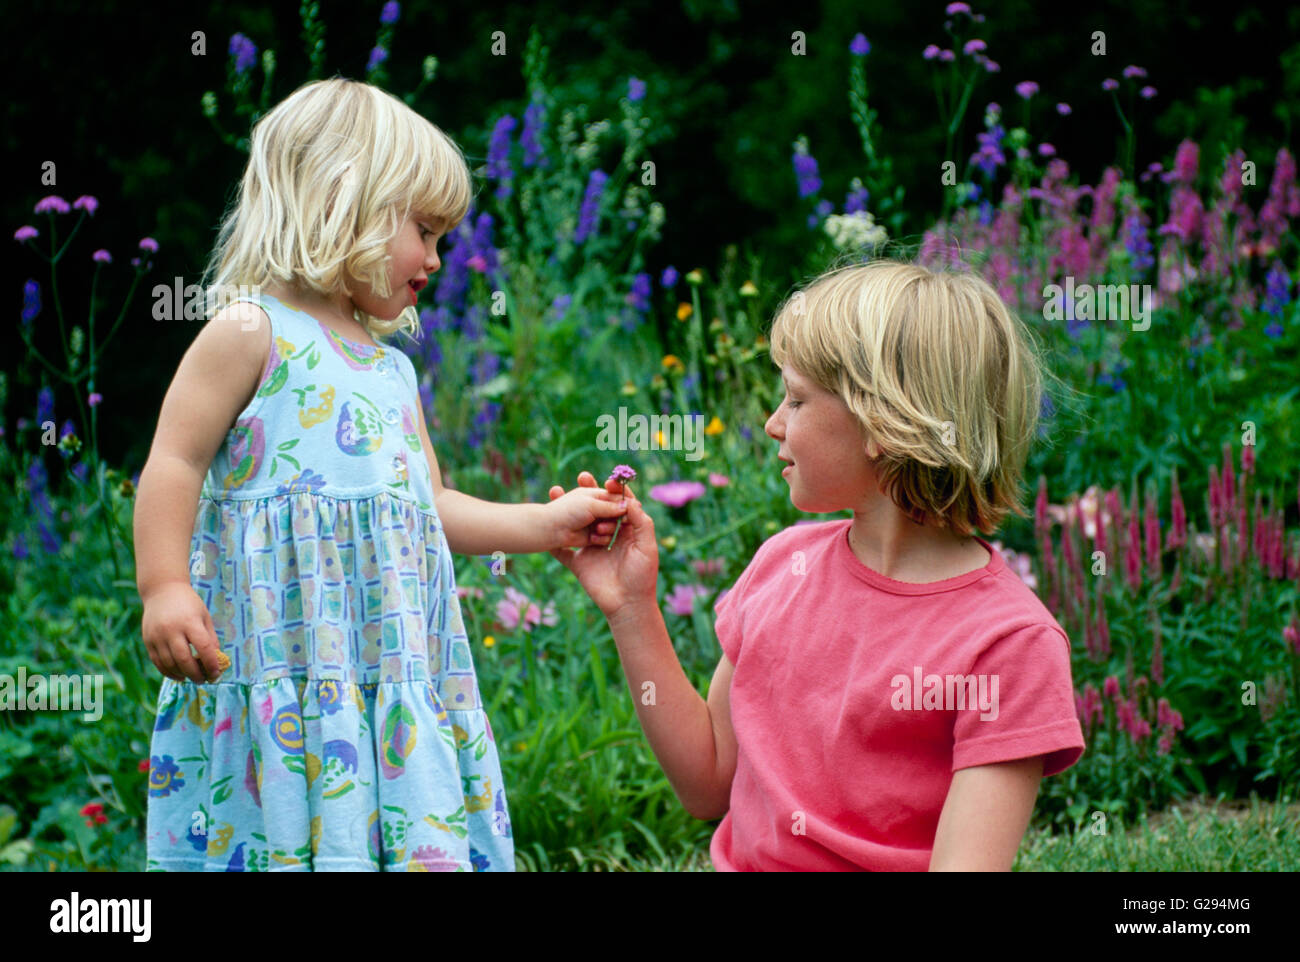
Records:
x=985, y=816
x=214, y=382
x=692, y=739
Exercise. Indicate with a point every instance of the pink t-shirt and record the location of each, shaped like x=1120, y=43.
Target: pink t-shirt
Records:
x=844, y=760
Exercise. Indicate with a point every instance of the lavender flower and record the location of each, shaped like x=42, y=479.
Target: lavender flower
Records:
x=31, y=301
x=589, y=215
x=530, y=139
x=25, y=233
x=102, y=256
x=947, y=56
x=805, y=170
x=244, y=51
x=1278, y=290
x=1137, y=242
x=859, y=46
x=94, y=399
x=955, y=8
x=1146, y=93
x=44, y=406
x=1131, y=71
x=1110, y=83
x=1026, y=89
x=498, y=159
x=561, y=304
x=974, y=46
x=669, y=279
x=639, y=296
x=930, y=52
x=1063, y=109
x=392, y=10
x=857, y=197
x=149, y=244
x=377, y=56
x=635, y=89
x=87, y=203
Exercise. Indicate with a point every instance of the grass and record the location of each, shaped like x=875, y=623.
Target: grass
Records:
x=1200, y=835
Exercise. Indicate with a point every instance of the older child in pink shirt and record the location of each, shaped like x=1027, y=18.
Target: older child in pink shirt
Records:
x=890, y=693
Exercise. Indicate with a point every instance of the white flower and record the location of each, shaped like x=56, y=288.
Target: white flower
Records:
x=858, y=229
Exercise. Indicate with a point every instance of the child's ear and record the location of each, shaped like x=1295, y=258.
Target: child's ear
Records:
x=872, y=449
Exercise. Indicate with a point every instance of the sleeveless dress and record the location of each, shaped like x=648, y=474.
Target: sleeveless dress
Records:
x=348, y=732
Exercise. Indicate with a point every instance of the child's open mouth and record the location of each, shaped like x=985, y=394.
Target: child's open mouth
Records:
x=416, y=286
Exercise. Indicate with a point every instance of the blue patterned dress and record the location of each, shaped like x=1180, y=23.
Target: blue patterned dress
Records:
x=348, y=733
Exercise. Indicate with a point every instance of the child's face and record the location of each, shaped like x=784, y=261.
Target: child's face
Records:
x=414, y=257
x=819, y=436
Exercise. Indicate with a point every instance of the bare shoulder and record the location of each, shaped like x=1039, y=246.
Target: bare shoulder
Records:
x=240, y=336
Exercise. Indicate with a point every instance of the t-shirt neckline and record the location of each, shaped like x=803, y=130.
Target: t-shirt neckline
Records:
x=845, y=557
x=370, y=349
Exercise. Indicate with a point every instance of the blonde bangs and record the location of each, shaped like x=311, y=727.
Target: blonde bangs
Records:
x=333, y=172
x=936, y=370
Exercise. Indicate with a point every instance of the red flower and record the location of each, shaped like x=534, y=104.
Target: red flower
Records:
x=144, y=765
x=94, y=814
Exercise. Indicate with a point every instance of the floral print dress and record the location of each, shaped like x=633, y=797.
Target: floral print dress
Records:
x=348, y=732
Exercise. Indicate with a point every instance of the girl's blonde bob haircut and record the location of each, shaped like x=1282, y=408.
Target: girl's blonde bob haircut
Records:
x=333, y=172
x=936, y=370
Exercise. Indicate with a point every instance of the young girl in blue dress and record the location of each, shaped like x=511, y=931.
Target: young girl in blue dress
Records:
x=292, y=528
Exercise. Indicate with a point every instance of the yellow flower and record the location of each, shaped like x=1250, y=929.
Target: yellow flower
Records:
x=760, y=341
x=629, y=388
x=748, y=289
x=684, y=311
x=669, y=542
x=489, y=641
x=715, y=426
x=695, y=277
x=673, y=362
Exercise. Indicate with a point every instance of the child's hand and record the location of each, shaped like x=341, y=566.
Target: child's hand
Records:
x=174, y=619
x=584, y=516
x=625, y=574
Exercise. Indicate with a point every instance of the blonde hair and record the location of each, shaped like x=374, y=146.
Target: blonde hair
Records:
x=908, y=349
x=333, y=172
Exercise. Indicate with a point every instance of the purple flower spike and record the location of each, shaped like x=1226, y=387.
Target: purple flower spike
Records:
x=1063, y=109
x=94, y=399
x=669, y=279
x=859, y=46
x=87, y=203
x=991, y=66
x=930, y=52
x=149, y=244
x=53, y=203
x=1026, y=89
x=675, y=494
x=623, y=473
x=102, y=256
x=947, y=56
x=377, y=56
x=974, y=46
x=955, y=8
x=244, y=51
x=1110, y=83
x=26, y=233
x=635, y=89
x=1046, y=150
x=392, y=10
x=1146, y=93
x=1131, y=71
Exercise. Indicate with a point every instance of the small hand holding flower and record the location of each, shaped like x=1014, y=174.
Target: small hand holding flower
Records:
x=627, y=575
x=584, y=516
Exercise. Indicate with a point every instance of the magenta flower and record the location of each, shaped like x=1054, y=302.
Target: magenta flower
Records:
x=718, y=480
x=516, y=608
x=53, y=203
x=477, y=263
x=1146, y=93
x=930, y=52
x=94, y=399
x=675, y=494
x=149, y=244
x=1131, y=71
x=1063, y=109
x=1178, y=532
x=622, y=473
x=707, y=567
x=991, y=66
x=974, y=46
x=1110, y=83
x=87, y=203
x=1046, y=150
x=26, y=233
x=947, y=56
x=955, y=8
x=102, y=256
x=682, y=599
x=1026, y=89
x=1291, y=635
x=1111, y=687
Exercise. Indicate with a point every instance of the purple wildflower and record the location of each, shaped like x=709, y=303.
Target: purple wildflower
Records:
x=681, y=600
x=639, y=296
x=991, y=66
x=1110, y=83
x=1046, y=150
x=31, y=301
x=149, y=244
x=44, y=406
x=857, y=198
x=675, y=494
x=589, y=215
x=1278, y=290
x=947, y=56
x=859, y=46
x=392, y=10
x=377, y=56
x=530, y=139
x=930, y=52
x=26, y=233
x=635, y=89
x=1026, y=89
x=1063, y=109
x=498, y=159
x=94, y=399
x=87, y=203
x=244, y=51
x=1131, y=71
x=955, y=8
x=974, y=46
x=102, y=256
x=53, y=203
x=805, y=170
x=1146, y=93
x=669, y=279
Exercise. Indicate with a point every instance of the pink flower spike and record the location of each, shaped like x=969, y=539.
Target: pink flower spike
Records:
x=149, y=244
x=1063, y=109
x=682, y=599
x=1146, y=93
x=102, y=256
x=1111, y=687
x=94, y=398
x=26, y=233
x=1110, y=84
x=718, y=480
x=87, y=203
x=53, y=203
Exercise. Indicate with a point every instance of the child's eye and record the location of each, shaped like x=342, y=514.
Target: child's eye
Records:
x=793, y=404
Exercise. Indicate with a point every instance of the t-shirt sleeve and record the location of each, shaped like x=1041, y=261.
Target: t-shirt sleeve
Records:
x=1033, y=708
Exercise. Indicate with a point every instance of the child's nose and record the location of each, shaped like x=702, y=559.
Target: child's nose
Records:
x=772, y=425
x=431, y=263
